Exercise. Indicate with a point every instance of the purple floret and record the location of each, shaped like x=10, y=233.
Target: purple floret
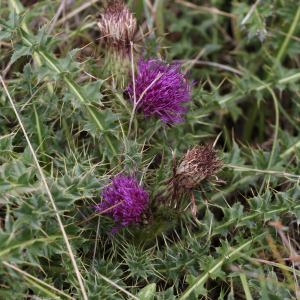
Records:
x=128, y=192
x=165, y=97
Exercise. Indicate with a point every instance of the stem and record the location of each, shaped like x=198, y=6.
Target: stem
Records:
x=67, y=133
x=215, y=31
x=39, y=134
x=290, y=150
x=245, y=286
x=134, y=103
x=160, y=17
x=287, y=38
x=263, y=171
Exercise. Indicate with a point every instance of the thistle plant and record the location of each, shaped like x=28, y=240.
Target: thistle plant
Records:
x=125, y=146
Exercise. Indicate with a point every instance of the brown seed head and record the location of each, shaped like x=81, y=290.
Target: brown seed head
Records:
x=118, y=25
x=197, y=165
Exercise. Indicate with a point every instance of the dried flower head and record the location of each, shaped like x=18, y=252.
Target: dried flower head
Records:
x=161, y=89
x=199, y=164
x=128, y=201
x=118, y=25
x=194, y=168
x=197, y=168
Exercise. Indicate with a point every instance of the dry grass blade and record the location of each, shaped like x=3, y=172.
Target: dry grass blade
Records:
x=283, y=33
x=207, y=9
x=6, y=136
x=38, y=280
x=34, y=94
x=62, y=4
x=213, y=64
x=49, y=194
x=95, y=248
x=76, y=11
x=250, y=12
x=97, y=214
x=275, y=264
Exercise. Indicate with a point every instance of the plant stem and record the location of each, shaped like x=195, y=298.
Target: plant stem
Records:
x=263, y=171
x=290, y=150
x=245, y=286
x=287, y=38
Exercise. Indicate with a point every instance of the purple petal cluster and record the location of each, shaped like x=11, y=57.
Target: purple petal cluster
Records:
x=128, y=192
x=164, y=97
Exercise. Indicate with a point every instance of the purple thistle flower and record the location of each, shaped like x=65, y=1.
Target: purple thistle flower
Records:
x=132, y=200
x=169, y=89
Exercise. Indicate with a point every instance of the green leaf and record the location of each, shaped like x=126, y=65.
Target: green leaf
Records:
x=62, y=201
x=20, y=50
x=89, y=185
x=85, y=95
x=98, y=288
x=8, y=27
x=101, y=122
x=200, y=289
x=31, y=211
x=34, y=251
x=52, y=248
x=166, y=295
x=208, y=263
x=147, y=293
x=234, y=156
x=6, y=144
x=139, y=263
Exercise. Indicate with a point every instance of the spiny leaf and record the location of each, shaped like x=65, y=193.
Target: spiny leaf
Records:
x=8, y=27
x=208, y=263
x=20, y=50
x=200, y=290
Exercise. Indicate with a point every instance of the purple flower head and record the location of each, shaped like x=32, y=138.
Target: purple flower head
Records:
x=130, y=198
x=161, y=89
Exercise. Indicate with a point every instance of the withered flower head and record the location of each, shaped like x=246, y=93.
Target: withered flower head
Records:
x=197, y=165
x=194, y=168
x=118, y=25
